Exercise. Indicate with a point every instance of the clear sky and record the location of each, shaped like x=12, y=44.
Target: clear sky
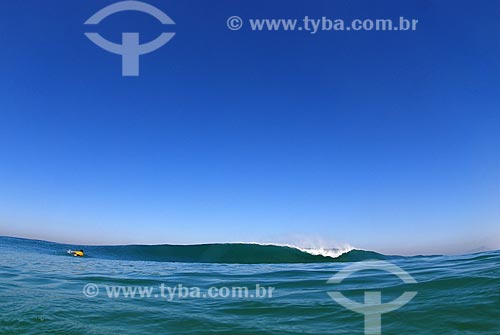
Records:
x=388, y=141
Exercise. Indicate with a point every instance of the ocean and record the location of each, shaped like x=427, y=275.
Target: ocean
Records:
x=241, y=289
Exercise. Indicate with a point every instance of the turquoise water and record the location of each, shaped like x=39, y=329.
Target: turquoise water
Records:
x=41, y=291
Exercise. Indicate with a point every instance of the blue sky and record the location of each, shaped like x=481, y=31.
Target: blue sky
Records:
x=387, y=141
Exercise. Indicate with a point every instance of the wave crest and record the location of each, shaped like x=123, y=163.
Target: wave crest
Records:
x=236, y=253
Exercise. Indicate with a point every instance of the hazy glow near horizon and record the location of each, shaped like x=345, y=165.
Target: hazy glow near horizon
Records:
x=387, y=142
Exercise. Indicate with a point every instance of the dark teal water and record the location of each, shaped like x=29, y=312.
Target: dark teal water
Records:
x=41, y=291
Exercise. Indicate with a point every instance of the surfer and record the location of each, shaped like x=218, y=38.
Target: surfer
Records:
x=77, y=253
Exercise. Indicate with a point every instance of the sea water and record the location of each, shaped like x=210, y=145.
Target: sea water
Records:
x=43, y=290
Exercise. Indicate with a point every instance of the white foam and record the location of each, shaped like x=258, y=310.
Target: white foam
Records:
x=333, y=253
x=326, y=252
